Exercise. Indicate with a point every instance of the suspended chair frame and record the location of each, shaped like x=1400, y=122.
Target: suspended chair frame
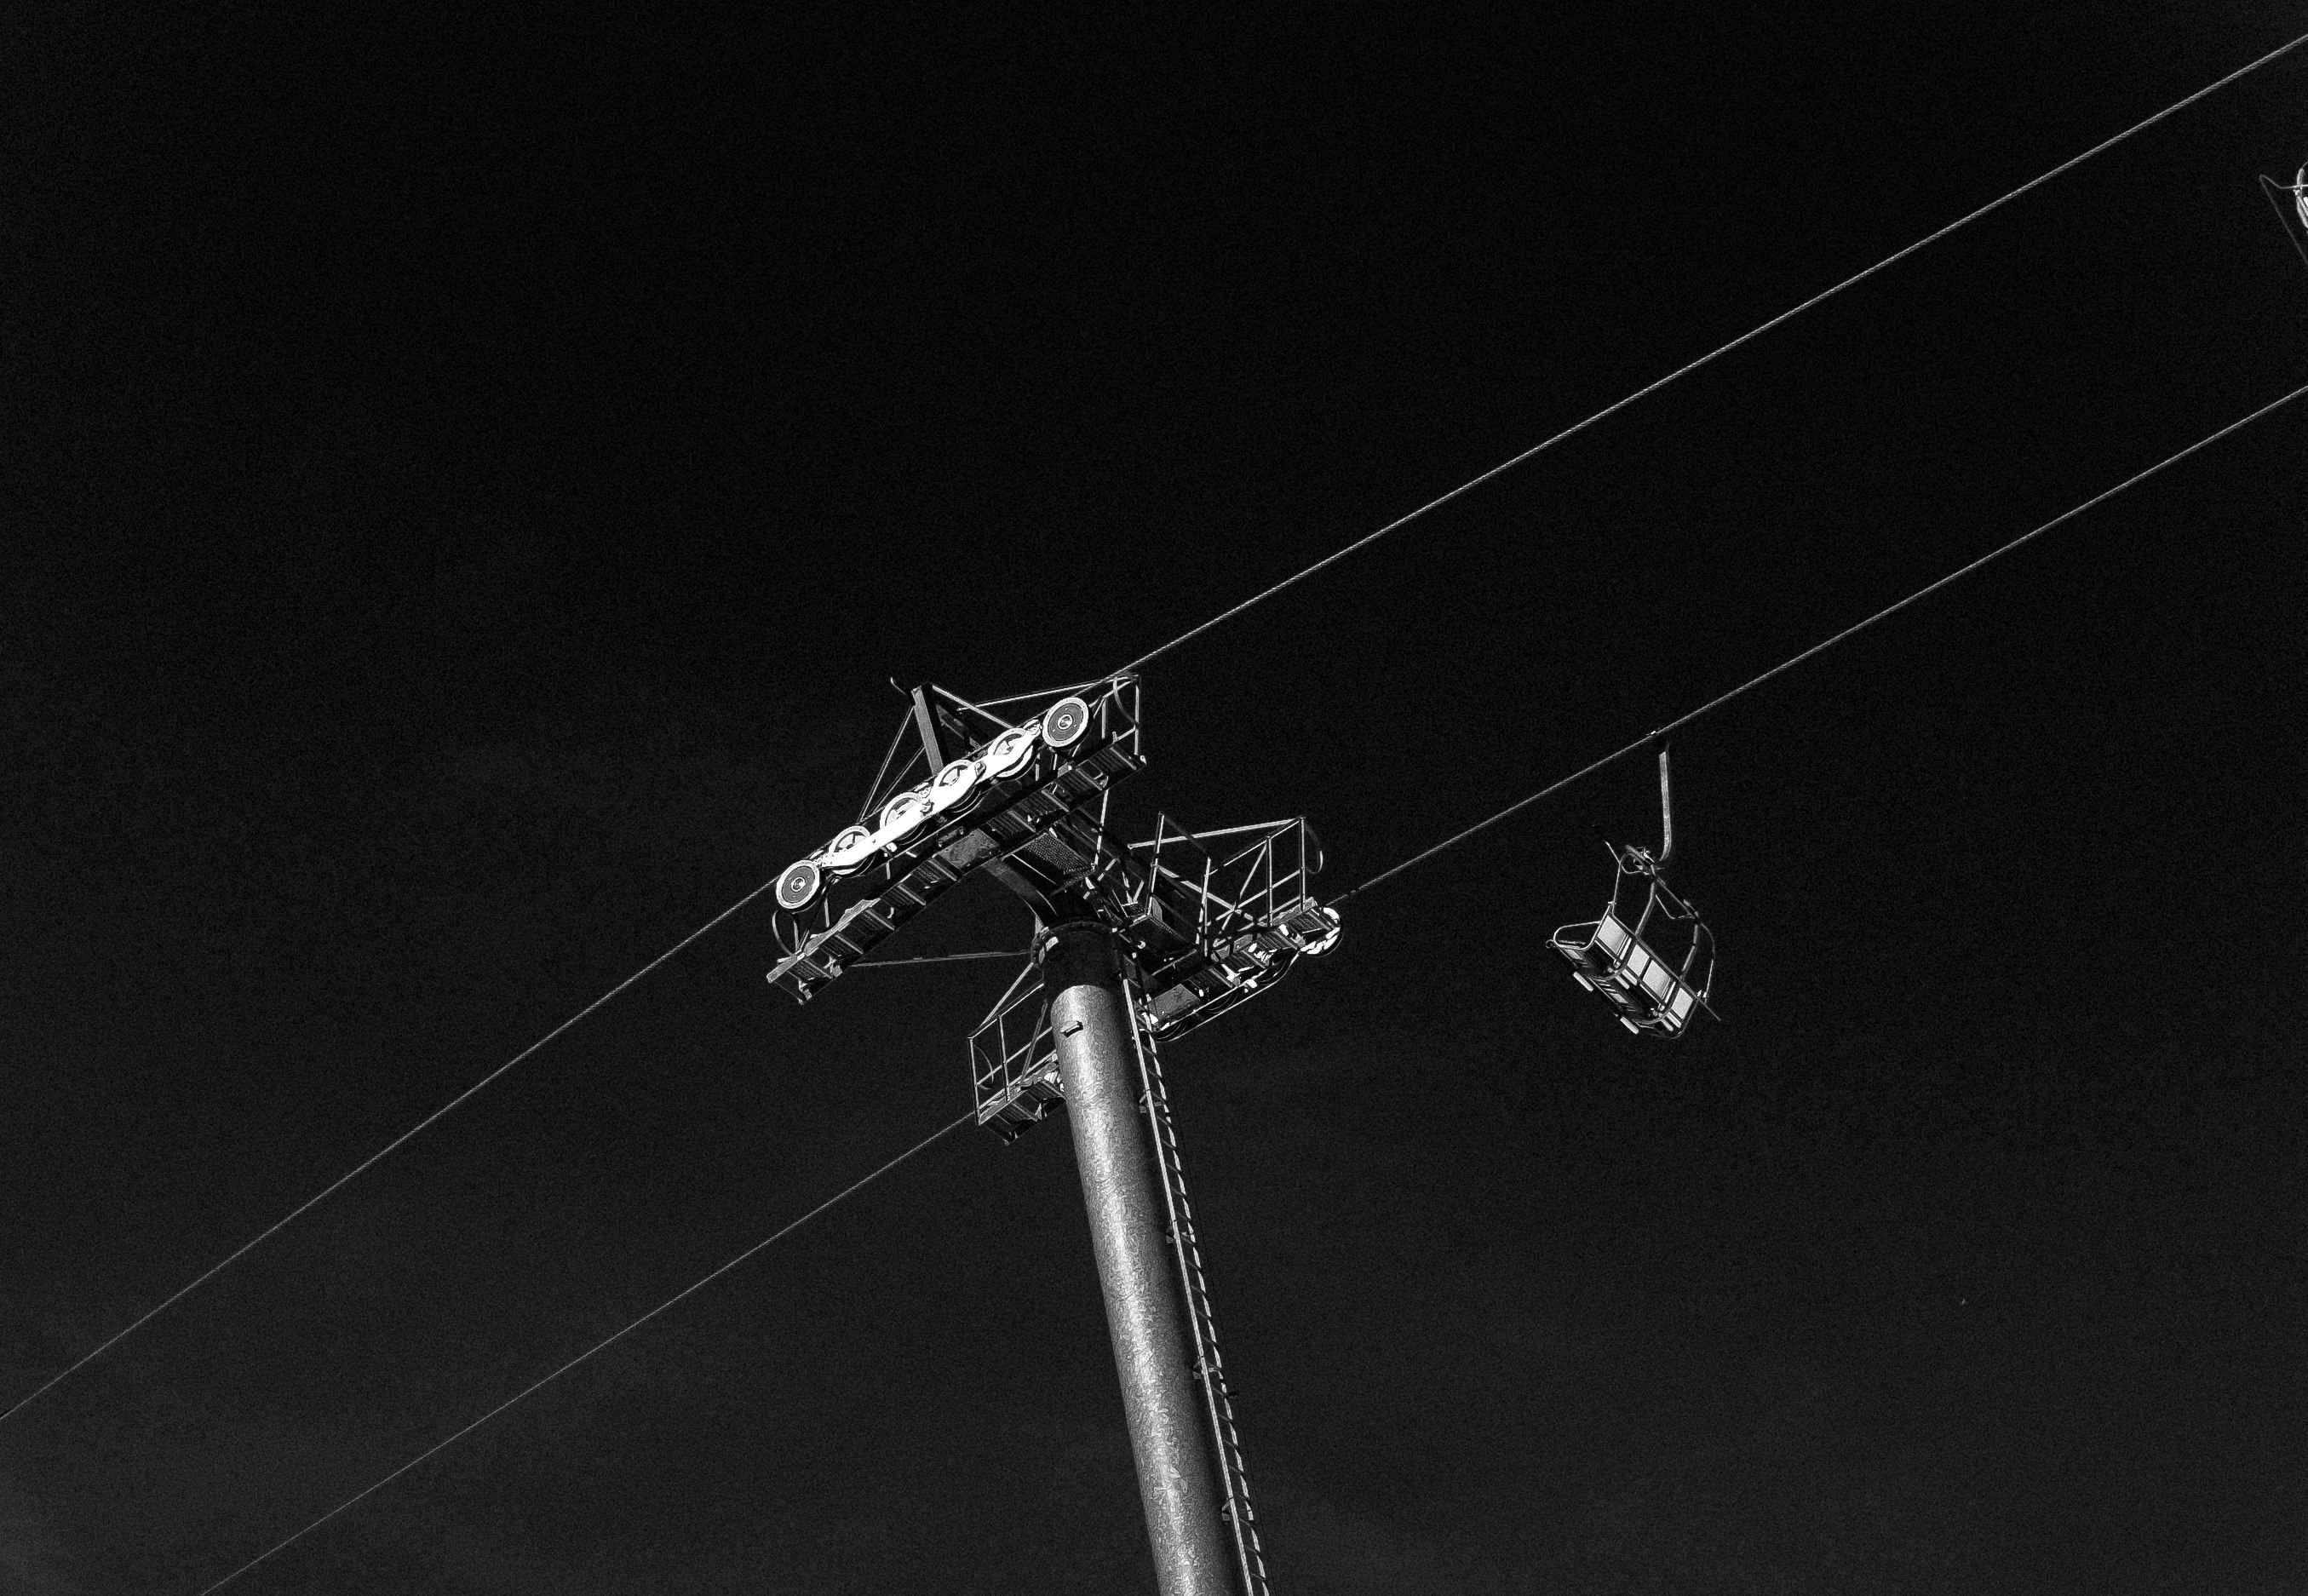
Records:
x=2296, y=192
x=1629, y=955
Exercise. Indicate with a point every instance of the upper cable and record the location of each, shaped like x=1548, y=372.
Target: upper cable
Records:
x=345, y=1179
x=1752, y=683
x=1713, y=355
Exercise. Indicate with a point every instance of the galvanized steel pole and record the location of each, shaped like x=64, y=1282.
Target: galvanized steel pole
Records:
x=1143, y=1311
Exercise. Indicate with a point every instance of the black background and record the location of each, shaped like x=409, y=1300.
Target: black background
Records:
x=470, y=480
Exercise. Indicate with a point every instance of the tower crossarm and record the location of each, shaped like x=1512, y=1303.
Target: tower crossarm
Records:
x=1019, y=804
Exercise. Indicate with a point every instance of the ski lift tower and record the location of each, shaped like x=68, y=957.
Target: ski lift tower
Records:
x=1135, y=942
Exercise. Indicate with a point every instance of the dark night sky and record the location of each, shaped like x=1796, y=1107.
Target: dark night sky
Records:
x=468, y=479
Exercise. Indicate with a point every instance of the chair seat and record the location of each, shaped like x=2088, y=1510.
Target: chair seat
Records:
x=1609, y=959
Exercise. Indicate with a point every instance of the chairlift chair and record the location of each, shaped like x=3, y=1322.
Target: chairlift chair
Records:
x=2296, y=192
x=1649, y=956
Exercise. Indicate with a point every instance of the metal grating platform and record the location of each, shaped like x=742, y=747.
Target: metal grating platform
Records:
x=1200, y=933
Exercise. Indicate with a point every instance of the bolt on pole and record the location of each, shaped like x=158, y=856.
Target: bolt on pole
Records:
x=1143, y=1312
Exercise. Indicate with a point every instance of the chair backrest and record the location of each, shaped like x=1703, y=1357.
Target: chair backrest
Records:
x=1650, y=953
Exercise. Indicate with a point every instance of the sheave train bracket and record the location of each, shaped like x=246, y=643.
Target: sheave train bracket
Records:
x=1204, y=920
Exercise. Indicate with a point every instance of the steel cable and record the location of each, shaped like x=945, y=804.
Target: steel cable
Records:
x=939, y=959
x=607, y=1341
x=1710, y=356
x=1712, y=704
x=342, y=1181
